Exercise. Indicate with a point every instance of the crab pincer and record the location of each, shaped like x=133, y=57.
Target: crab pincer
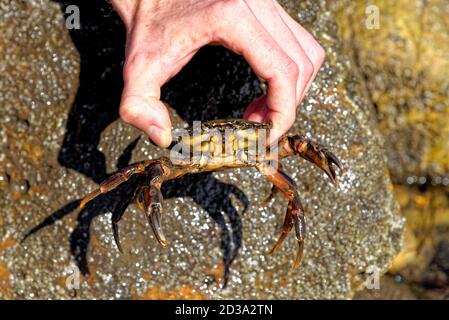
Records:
x=317, y=154
x=152, y=200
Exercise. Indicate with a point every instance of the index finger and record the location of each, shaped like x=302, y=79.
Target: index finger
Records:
x=266, y=58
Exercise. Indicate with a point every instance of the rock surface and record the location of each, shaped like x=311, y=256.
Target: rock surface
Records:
x=47, y=168
x=404, y=63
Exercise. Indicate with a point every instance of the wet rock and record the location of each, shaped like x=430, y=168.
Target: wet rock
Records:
x=209, y=218
x=427, y=221
x=423, y=260
x=435, y=279
x=40, y=69
x=404, y=65
x=442, y=256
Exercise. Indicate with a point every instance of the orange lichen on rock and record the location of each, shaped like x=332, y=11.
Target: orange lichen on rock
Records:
x=7, y=243
x=4, y=282
x=183, y=293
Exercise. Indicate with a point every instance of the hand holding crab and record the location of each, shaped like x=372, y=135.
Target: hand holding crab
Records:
x=164, y=35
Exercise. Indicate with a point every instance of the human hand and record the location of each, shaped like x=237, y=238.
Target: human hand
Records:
x=163, y=35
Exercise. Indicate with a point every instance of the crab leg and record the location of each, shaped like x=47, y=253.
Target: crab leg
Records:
x=114, y=222
x=295, y=212
x=115, y=180
x=286, y=228
x=274, y=189
x=115, y=219
x=270, y=197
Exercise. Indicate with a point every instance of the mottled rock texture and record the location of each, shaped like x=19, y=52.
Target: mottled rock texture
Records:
x=404, y=63
x=54, y=151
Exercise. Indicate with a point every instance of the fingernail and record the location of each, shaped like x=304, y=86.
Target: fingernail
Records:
x=256, y=117
x=161, y=137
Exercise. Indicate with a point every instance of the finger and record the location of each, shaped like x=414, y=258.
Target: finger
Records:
x=265, y=56
x=140, y=105
x=313, y=49
x=149, y=115
x=268, y=16
x=257, y=110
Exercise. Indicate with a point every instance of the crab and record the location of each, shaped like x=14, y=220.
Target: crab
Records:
x=219, y=145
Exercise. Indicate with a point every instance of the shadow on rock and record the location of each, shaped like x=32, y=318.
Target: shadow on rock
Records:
x=215, y=84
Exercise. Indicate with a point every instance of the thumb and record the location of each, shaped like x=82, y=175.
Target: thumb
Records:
x=140, y=105
x=148, y=114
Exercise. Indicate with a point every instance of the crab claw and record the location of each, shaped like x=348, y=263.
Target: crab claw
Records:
x=318, y=155
x=154, y=217
x=153, y=210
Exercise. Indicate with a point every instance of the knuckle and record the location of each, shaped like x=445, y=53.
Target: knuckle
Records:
x=229, y=8
x=320, y=55
x=225, y=14
x=127, y=113
x=306, y=68
x=291, y=69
